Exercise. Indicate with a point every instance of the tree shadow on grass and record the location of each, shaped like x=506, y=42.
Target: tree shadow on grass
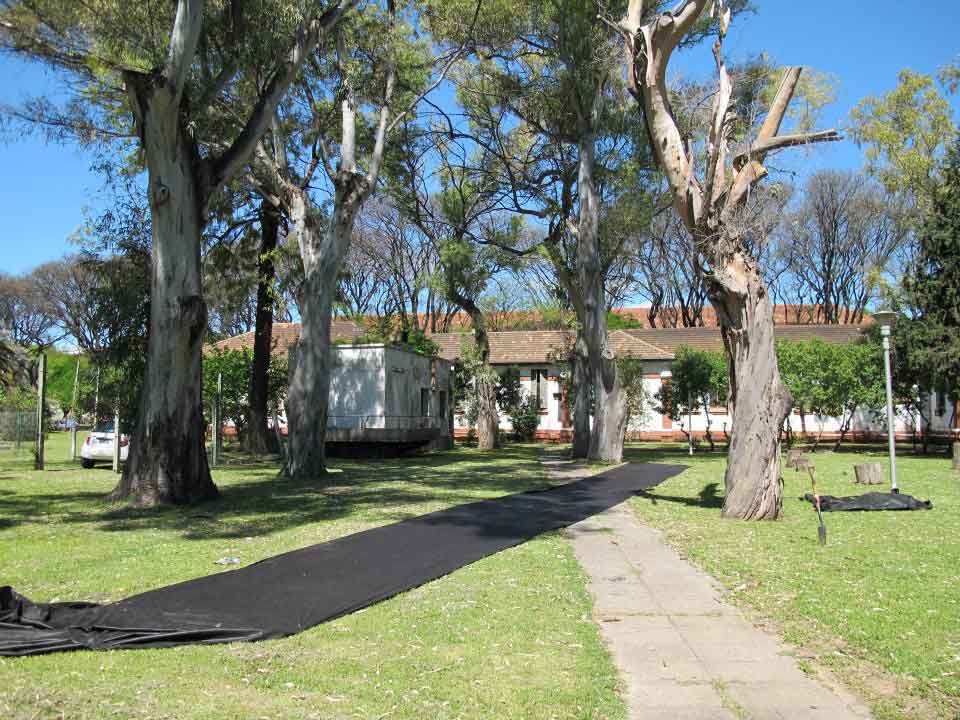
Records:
x=372, y=491
x=670, y=453
x=708, y=497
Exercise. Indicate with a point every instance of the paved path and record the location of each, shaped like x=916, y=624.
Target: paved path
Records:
x=683, y=653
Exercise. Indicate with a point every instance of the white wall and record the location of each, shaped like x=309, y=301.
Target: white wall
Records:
x=407, y=375
x=356, y=385
x=654, y=374
x=940, y=422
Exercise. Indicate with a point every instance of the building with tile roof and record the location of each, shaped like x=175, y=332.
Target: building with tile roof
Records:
x=539, y=355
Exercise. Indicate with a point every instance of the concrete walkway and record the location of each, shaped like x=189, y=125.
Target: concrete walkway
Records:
x=682, y=652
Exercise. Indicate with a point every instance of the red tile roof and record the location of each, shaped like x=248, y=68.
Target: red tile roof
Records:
x=287, y=334
x=543, y=346
x=525, y=347
x=708, y=338
x=783, y=314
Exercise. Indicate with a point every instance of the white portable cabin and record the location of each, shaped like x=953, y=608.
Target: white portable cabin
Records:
x=385, y=395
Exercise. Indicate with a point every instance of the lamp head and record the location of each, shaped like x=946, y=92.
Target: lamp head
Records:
x=885, y=319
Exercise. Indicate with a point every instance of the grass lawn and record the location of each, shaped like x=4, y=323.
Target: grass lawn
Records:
x=879, y=605
x=508, y=637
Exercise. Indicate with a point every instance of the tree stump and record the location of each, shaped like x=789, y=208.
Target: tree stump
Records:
x=956, y=455
x=869, y=474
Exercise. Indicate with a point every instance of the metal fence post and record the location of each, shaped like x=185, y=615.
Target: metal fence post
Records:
x=276, y=433
x=41, y=402
x=215, y=434
x=116, y=439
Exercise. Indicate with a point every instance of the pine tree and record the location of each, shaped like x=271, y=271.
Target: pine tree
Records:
x=933, y=284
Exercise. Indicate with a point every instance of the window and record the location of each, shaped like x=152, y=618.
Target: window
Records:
x=941, y=403
x=424, y=402
x=539, y=378
x=443, y=404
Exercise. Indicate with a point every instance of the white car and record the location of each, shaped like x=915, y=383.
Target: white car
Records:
x=98, y=447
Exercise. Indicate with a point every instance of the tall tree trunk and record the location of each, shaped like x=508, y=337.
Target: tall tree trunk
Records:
x=488, y=417
x=259, y=439
x=485, y=386
x=610, y=403
x=309, y=394
x=580, y=388
x=753, y=484
x=168, y=460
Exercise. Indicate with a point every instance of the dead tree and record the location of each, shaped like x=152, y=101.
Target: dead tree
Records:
x=709, y=208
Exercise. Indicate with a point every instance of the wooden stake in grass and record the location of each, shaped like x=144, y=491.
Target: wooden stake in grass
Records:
x=804, y=464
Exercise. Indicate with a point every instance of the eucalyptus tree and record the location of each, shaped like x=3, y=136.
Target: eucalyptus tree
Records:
x=542, y=102
x=174, y=68
x=712, y=209
x=473, y=238
x=259, y=440
x=377, y=64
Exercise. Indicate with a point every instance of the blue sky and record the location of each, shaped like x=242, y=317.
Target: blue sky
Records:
x=44, y=188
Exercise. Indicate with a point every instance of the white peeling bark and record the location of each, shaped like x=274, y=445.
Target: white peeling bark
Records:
x=610, y=405
x=709, y=210
x=322, y=250
x=168, y=461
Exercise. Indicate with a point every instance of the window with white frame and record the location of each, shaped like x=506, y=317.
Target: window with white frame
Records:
x=538, y=379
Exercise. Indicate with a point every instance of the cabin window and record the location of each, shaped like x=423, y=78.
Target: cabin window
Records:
x=424, y=402
x=539, y=378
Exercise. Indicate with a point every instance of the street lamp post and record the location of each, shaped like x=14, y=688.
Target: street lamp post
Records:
x=885, y=319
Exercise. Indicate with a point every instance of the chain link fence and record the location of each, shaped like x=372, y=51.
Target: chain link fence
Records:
x=18, y=431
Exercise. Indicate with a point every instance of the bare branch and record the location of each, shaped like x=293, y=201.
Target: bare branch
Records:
x=761, y=147
x=183, y=43
x=374, y=170
x=232, y=160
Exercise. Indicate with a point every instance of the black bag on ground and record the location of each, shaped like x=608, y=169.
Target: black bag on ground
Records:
x=871, y=501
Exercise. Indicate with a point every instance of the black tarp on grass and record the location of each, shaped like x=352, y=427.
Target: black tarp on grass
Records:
x=870, y=501
x=289, y=593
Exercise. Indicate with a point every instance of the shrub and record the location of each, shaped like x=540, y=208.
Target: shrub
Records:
x=525, y=417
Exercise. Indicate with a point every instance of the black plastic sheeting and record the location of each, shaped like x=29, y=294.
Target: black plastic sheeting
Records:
x=289, y=593
x=871, y=501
